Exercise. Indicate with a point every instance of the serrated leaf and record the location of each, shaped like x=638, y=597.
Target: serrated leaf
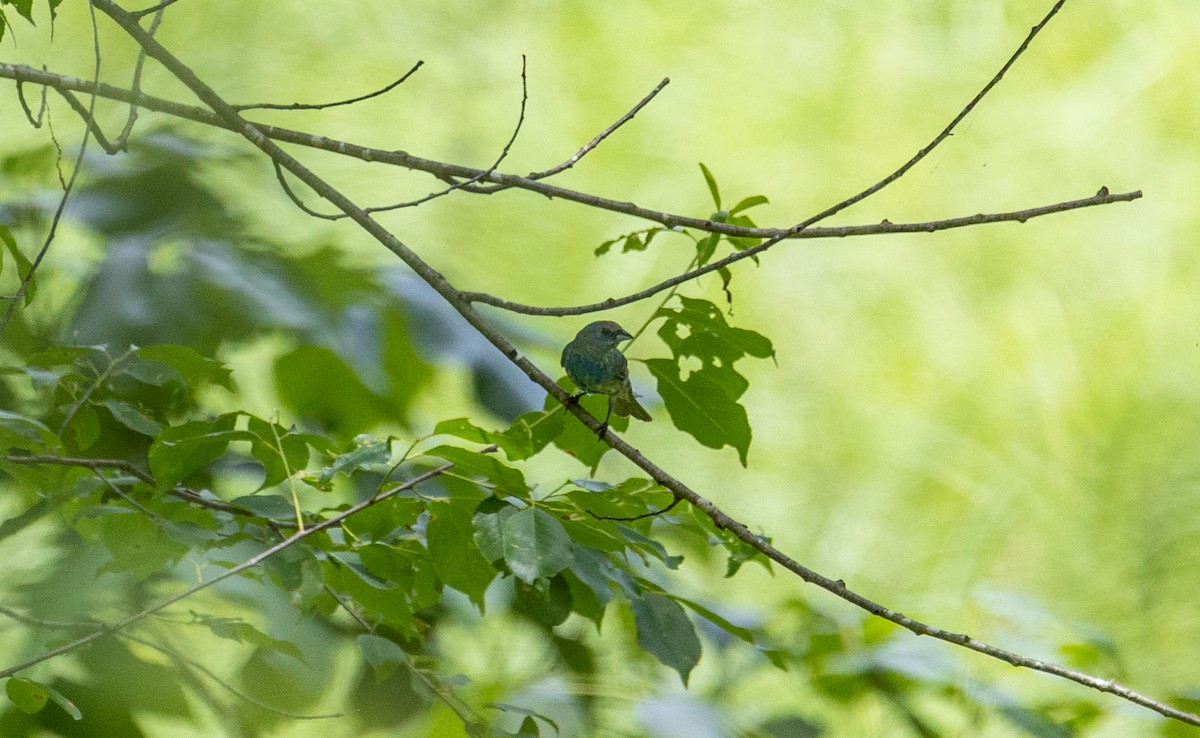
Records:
x=664, y=630
x=369, y=452
x=701, y=407
x=712, y=185
x=383, y=655
x=536, y=546
x=488, y=522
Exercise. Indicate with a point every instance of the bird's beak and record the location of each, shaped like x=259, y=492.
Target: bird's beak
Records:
x=624, y=335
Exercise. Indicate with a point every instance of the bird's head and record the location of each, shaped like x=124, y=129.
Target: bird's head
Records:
x=605, y=333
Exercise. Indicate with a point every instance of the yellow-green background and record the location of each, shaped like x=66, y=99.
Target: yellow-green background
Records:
x=993, y=429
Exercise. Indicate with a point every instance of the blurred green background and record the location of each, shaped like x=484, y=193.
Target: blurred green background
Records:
x=993, y=429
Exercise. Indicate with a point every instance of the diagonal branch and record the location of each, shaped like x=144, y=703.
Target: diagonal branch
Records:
x=439, y=283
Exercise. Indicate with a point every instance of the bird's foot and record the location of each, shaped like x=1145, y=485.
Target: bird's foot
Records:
x=603, y=429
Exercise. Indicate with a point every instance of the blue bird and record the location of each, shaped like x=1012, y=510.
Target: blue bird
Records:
x=597, y=366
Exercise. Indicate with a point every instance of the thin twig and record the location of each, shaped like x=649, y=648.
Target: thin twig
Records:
x=253, y=561
x=1103, y=197
x=152, y=9
x=123, y=139
x=601, y=136
x=651, y=514
x=322, y=106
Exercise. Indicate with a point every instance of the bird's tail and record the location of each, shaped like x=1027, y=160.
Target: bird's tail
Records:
x=624, y=403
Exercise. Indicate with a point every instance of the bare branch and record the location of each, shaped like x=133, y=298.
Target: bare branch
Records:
x=322, y=106
x=1103, y=197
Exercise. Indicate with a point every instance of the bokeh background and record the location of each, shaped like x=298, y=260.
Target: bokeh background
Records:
x=994, y=429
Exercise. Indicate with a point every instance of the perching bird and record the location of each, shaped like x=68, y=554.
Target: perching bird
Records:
x=596, y=366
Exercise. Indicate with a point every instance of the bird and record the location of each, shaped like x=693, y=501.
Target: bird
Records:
x=597, y=367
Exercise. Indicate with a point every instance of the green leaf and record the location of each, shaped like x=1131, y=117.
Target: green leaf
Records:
x=318, y=384
x=24, y=266
x=456, y=557
x=488, y=522
x=368, y=452
x=24, y=7
x=529, y=714
x=699, y=329
x=706, y=247
x=664, y=630
x=67, y=705
x=273, y=507
x=535, y=545
x=383, y=655
x=547, y=602
x=27, y=695
x=132, y=417
x=236, y=629
x=189, y=364
x=19, y=431
x=281, y=451
x=136, y=543
x=777, y=657
x=183, y=449
x=529, y=433
x=701, y=407
x=747, y=203
x=712, y=185
x=504, y=479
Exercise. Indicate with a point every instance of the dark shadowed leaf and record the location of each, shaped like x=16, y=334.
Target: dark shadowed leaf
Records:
x=664, y=630
x=700, y=406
